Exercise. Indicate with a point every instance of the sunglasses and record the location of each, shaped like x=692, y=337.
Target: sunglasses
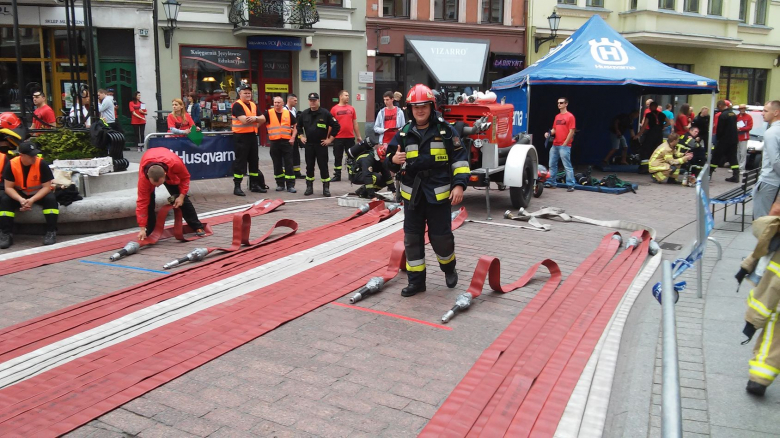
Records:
x=561, y=103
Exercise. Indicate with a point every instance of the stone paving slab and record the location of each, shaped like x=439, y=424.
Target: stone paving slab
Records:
x=338, y=371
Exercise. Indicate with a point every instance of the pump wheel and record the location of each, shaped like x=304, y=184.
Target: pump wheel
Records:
x=521, y=196
x=538, y=189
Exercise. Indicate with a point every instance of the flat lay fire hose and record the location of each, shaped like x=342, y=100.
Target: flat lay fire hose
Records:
x=90, y=248
x=62, y=370
x=521, y=384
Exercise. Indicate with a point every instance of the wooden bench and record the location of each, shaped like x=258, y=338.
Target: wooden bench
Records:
x=738, y=195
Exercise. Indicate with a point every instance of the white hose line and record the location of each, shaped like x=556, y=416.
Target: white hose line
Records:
x=173, y=309
x=586, y=412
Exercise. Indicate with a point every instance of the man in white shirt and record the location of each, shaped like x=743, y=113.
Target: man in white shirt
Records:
x=765, y=192
x=84, y=117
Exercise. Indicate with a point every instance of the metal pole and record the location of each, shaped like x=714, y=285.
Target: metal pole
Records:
x=671, y=407
x=20, y=84
x=158, y=94
x=92, y=78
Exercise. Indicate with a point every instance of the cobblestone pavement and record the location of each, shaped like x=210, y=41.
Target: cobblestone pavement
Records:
x=338, y=371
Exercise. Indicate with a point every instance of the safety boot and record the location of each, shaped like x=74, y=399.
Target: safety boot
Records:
x=734, y=176
x=412, y=289
x=50, y=238
x=280, y=185
x=336, y=175
x=309, y=188
x=291, y=186
x=326, y=189
x=237, y=187
x=257, y=185
x=451, y=278
x=361, y=192
x=755, y=388
x=6, y=240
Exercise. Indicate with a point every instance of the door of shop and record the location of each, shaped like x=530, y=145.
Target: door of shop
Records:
x=331, y=78
x=120, y=76
x=275, y=79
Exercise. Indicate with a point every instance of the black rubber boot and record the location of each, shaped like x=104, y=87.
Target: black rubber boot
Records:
x=336, y=176
x=50, y=238
x=326, y=189
x=451, y=278
x=256, y=185
x=712, y=170
x=734, y=176
x=237, y=187
x=291, y=186
x=412, y=289
x=309, y=188
x=755, y=388
x=6, y=240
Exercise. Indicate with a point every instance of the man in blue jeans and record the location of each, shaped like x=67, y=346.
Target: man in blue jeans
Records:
x=563, y=133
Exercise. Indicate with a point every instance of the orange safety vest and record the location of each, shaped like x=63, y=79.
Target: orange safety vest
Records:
x=240, y=128
x=33, y=182
x=276, y=130
x=2, y=163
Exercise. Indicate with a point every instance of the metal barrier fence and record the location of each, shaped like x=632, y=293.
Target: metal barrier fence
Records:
x=671, y=407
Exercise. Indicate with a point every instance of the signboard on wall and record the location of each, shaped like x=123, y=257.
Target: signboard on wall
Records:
x=226, y=59
x=501, y=61
x=277, y=88
x=262, y=42
x=365, y=77
x=309, y=75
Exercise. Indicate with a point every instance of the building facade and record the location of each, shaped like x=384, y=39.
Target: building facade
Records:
x=124, y=54
x=447, y=44
x=732, y=41
x=219, y=44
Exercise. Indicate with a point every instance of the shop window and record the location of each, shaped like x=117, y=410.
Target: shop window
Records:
x=29, y=39
x=743, y=85
x=338, y=3
x=276, y=65
x=595, y=3
x=332, y=66
x=567, y=2
x=445, y=10
x=395, y=8
x=715, y=7
x=633, y=4
x=61, y=43
x=493, y=11
x=691, y=6
x=213, y=72
x=761, y=6
x=666, y=4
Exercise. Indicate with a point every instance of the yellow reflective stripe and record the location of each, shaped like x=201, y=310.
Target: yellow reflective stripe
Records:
x=406, y=192
x=436, y=151
x=281, y=175
x=445, y=260
x=768, y=370
x=767, y=341
x=7, y=213
x=412, y=154
x=51, y=211
x=442, y=192
x=237, y=176
x=458, y=164
x=758, y=306
x=774, y=267
x=415, y=265
x=460, y=170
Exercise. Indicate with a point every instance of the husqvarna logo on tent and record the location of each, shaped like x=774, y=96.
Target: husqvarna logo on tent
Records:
x=609, y=54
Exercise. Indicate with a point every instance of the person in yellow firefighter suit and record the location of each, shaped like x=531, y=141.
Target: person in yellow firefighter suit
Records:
x=762, y=268
x=666, y=161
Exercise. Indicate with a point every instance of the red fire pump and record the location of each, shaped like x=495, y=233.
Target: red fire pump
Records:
x=494, y=154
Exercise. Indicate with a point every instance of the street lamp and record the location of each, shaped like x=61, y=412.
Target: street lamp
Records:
x=555, y=21
x=171, y=8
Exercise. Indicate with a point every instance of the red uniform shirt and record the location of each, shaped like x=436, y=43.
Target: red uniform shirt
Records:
x=46, y=114
x=183, y=123
x=563, y=124
x=345, y=115
x=744, y=131
x=176, y=173
x=136, y=108
x=681, y=124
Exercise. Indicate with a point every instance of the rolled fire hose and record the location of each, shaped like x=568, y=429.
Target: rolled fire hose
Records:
x=560, y=214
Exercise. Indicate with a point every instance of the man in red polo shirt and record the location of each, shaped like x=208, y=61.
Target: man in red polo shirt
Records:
x=563, y=134
x=43, y=115
x=347, y=118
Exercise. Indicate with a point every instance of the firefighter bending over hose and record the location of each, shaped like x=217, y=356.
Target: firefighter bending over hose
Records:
x=433, y=169
x=666, y=161
x=762, y=302
x=366, y=166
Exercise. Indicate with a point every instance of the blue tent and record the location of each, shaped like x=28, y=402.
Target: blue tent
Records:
x=602, y=75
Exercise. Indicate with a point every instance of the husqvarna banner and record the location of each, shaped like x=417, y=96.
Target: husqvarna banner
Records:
x=212, y=159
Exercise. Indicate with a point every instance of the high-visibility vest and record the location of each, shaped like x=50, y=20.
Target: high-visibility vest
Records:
x=240, y=128
x=391, y=120
x=277, y=130
x=3, y=157
x=33, y=182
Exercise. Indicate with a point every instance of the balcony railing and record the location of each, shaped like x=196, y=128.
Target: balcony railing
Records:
x=274, y=14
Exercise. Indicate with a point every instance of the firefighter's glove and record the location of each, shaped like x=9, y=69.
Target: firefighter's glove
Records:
x=741, y=276
x=748, y=331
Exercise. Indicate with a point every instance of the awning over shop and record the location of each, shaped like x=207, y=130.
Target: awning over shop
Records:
x=452, y=61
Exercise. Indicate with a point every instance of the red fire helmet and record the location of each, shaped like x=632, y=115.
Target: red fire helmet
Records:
x=419, y=95
x=9, y=120
x=381, y=151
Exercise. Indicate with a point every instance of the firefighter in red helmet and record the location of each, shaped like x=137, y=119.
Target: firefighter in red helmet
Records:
x=433, y=169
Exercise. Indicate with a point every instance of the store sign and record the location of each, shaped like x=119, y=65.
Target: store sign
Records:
x=212, y=159
x=277, y=88
x=227, y=59
x=452, y=62
x=35, y=16
x=274, y=43
x=507, y=62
